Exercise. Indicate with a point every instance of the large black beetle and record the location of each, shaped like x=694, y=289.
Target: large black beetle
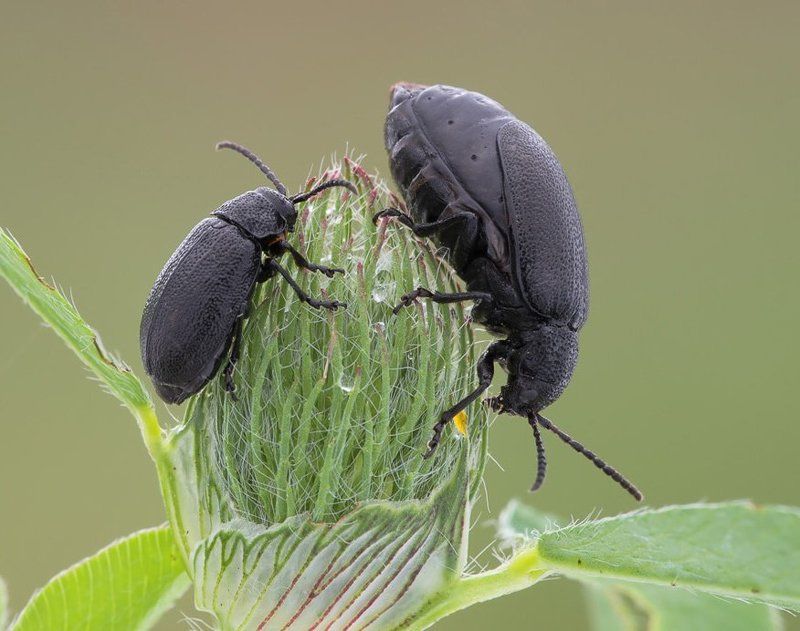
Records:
x=195, y=310
x=490, y=191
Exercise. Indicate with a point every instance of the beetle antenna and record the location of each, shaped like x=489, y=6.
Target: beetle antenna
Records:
x=610, y=471
x=227, y=144
x=541, y=459
x=301, y=197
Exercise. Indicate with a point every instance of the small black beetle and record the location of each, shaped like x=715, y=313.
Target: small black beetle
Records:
x=489, y=190
x=195, y=310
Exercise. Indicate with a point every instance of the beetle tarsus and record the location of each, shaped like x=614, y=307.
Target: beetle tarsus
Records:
x=485, y=369
x=468, y=230
x=333, y=305
x=304, y=263
x=330, y=272
x=433, y=443
x=408, y=299
x=421, y=292
x=395, y=213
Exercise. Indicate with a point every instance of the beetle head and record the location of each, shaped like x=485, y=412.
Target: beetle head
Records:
x=263, y=213
x=266, y=213
x=539, y=369
x=276, y=205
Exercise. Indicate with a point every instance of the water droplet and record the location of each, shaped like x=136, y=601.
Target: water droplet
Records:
x=380, y=295
x=346, y=383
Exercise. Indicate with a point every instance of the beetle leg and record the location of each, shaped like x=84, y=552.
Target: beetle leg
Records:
x=396, y=213
x=485, y=369
x=304, y=263
x=317, y=304
x=422, y=229
x=495, y=404
x=266, y=272
x=435, y=296
x=230, y=387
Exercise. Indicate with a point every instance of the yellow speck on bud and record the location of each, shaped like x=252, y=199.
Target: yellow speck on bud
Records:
x=460, y=421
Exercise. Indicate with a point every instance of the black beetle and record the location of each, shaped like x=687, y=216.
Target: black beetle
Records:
x=490, y=191
x=195, y=310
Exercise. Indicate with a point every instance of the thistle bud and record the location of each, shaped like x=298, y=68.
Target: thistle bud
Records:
x=305, y=501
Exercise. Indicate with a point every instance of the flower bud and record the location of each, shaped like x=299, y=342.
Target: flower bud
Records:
x=305, y=500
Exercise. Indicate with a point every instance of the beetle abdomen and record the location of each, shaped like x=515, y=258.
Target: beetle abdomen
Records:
x=443, y=155
x=454, y=151
x=547, y=237
x=192, y=309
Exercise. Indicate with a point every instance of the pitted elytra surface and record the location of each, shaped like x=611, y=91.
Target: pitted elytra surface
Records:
x=195, y=303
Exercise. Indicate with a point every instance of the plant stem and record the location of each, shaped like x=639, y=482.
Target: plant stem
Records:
x=159, y=451
x=151, y=431
x=522, y=571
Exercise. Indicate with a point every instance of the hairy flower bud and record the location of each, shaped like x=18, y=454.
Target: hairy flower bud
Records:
x=305, y=502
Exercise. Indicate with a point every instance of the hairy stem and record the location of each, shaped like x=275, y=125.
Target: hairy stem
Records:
x=522, y=571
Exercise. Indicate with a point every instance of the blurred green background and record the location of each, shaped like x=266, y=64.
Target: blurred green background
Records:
x=677, y=124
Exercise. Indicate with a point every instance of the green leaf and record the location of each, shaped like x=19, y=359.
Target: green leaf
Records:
x=519, y=523
x=683, y=543
x=59, y=313
x=623, y=606
x=3, y=604
x=127, y=585
x=53, y=307
x=733, y=549
x=611, y=610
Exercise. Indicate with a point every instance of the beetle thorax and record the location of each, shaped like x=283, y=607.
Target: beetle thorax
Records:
x=263, y=214
x=539, y=368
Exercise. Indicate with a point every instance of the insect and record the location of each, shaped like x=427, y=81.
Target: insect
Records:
x=490, y=191
x=193, y=316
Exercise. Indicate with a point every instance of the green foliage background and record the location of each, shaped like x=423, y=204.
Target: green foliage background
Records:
x=677, y=126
